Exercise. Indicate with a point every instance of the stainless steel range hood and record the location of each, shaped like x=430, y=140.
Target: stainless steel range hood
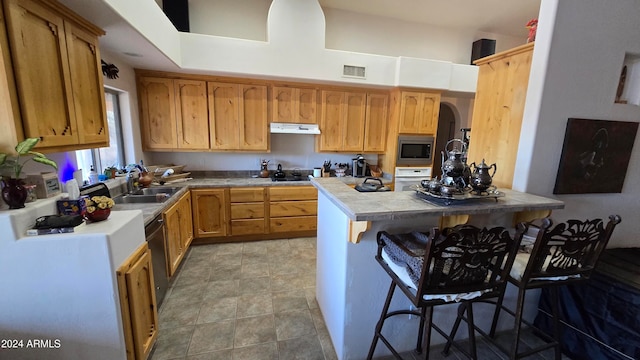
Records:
x=284, y=128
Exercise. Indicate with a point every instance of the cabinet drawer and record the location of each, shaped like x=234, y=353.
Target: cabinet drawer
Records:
x=246, y=194
x=247, y=227
x=293, y=208
x=247, y=211
x=296, y=223
x=281, y=193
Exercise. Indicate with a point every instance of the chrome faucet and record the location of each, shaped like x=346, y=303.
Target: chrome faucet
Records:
x=130, y=179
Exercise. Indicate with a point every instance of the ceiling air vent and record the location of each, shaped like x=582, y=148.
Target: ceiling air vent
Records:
x=354, y=71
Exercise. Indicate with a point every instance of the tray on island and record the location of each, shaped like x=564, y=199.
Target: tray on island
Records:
x=463, y=196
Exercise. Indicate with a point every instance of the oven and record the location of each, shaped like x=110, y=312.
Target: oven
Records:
x=407, y=176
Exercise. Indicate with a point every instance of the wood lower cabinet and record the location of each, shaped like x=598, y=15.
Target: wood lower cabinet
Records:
x=419, y=112
x=292, y=208
x=247, y=209
x=294, y=105
x=498, y=110
x=138, y=303
x=210, y=218
x=179, y=232
x=55, y=61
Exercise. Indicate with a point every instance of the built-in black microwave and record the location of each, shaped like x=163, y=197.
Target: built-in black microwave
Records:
x=415, y=150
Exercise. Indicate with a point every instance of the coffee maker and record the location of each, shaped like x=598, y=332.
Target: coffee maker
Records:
x=359, y=166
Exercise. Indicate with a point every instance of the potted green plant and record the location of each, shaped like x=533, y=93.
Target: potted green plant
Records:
x=13, y=191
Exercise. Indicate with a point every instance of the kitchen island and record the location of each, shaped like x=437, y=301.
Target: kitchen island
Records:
x=350, y=284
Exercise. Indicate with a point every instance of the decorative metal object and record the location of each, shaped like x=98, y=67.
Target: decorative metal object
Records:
x=109, y=70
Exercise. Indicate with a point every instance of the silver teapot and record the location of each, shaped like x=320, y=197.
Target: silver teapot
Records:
x=480, y=178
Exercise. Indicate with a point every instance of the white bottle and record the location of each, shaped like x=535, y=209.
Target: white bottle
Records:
x=93, y=176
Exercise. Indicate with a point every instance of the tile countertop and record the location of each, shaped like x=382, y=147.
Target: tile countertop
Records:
x=151, y=210
x=376, y=206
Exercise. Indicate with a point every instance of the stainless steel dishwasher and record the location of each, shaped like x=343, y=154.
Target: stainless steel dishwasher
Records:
x=154, y=233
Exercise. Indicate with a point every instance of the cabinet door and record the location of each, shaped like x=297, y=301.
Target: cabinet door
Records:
x=330, y=121
x=224, y=115
x=209, y=212
x=430, y=111
x=375, y=129
x=186, y=222
x=87, y=85
x=293, y=105
x=419, y=113
x=254, y=124
x=157, y=113
x=138, y=303
x=34, y=31
x=353, y=121
x=410, y=112
x=282, y=101
x=191, y=114
x=307, y=103
x=498, y=110
x=173, y=238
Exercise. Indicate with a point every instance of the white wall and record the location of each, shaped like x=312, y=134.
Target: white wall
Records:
x=243, y=19
x=347, y=31
x=575, y=71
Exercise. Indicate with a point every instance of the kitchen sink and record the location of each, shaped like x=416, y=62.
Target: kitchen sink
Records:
x=140, y=199
x=147, y=195
x=155, y=190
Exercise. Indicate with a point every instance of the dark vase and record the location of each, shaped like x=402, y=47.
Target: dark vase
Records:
x=14, y=193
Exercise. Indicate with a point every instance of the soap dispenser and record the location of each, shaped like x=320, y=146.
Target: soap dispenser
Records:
x=93, y=176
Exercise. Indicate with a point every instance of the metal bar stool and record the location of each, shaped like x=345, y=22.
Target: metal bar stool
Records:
x=566, y=254
x=462, y=264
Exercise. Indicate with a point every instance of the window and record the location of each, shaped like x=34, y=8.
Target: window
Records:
x=113, y=155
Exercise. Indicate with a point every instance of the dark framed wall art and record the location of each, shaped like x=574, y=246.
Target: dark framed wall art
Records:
x=595, y=156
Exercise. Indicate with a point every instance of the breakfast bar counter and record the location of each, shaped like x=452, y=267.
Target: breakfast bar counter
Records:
x=350, y=284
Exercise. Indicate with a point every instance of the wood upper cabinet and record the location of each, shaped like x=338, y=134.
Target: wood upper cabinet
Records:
x=294, y=105
x=157, y=113
x=238, y=116
x=353, y=121
x=498, y=110
x=192, y=120
x=419, y=112
x=376, y=122
x=210, y=215
x=342, y=121
x=87, y=84
x=173, y=114
x=58, y=76
x=138, y=303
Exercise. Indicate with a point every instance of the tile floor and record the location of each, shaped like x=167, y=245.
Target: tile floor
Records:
x=254, y=301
